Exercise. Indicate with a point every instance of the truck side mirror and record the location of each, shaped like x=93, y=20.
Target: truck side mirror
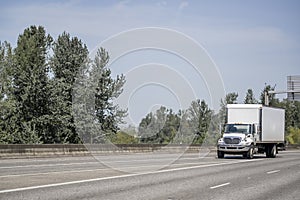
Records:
x=258, y=129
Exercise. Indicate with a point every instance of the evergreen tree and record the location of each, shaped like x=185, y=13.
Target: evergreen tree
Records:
x=97, y=116
x=5, y=63
x=165, y=126
x=250, y=99
x=272, y=100
x=69, y=54
x=6, y=103
x=30, y=79
x=292, y=113
x=151, y=127
x=185, y=133
x=200, y=117
x=230, y=98
x=147, y=129
x=160, y=127
x=170, y=128
x=214, y=130
x=108, y=115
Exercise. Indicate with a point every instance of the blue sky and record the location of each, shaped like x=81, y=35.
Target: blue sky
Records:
x=251, y=42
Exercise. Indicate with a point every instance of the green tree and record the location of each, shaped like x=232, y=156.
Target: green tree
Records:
x=5, y=65
x=293, y=136
x=230, y=98
x=185, y=127
x=151, y=127
x=292, y=113
x=108, y=115
x=30, y=79
x=146, y=129
x=98, y=117
x=214, y=130
x=250, y=99
x=170, y=128
x=161, y=127
x=123, y=138
x=200, y=117
x=185, y=133
x=272, y=100
x=69, y=54
x=7, y=105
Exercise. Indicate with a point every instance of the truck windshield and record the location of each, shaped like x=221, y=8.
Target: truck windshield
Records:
x=238, y=128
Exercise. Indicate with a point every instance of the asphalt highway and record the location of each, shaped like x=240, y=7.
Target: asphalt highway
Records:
x=152, y=176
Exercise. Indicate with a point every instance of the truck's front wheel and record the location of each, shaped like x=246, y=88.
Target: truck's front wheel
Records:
x=250, y=153
x=220, y=154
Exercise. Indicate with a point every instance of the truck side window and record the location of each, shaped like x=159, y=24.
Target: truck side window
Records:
x=253, y=129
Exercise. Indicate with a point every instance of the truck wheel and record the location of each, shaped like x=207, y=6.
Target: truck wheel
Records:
x=250, y=153
x=220, y=154
x=273, y=151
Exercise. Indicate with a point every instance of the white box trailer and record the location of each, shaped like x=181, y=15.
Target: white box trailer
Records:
x=250, y=129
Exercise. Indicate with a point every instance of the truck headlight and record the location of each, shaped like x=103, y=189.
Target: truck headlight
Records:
x=220, y=141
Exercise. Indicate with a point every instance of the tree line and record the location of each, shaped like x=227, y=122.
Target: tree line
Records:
x=45, y=84
x=199, y=124
x=37, y=79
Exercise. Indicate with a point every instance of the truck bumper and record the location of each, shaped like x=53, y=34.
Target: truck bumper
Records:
x=233, y=149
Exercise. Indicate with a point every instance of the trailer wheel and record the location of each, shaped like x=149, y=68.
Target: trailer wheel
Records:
x=220, y=154
x=250, y=153
x=273, y=151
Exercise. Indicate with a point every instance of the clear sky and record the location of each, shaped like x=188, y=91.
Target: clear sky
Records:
x=251, y=42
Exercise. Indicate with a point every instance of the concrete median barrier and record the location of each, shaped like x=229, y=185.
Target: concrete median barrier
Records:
x=52, y=150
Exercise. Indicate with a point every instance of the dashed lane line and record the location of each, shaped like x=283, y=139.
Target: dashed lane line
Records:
x=274, y=171
x=221, y=185
x=120, y=176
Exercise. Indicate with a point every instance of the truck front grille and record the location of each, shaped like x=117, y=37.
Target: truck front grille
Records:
x=232, y=140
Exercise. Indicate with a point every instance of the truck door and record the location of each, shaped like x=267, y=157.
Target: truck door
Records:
x=254, y=133
x=257, y=134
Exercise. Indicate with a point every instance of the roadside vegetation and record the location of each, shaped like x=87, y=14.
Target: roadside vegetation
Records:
x=37, y=89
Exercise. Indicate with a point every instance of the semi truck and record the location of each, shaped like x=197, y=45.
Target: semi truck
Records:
x=251, y=129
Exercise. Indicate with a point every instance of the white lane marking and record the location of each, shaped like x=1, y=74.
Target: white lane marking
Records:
x=147, y=160
x=49, y=165
x=121, y=176
x=272, y=172
x=93, y=162
x=85, y=163
x=221, y=185
x=91, y=170
x=55, y=172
